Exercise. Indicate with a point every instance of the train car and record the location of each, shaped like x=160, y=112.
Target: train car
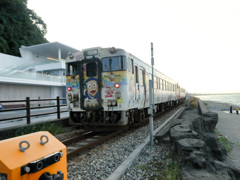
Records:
x=108, y=88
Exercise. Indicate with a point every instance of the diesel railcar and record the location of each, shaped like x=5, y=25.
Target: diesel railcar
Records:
x=108, y=88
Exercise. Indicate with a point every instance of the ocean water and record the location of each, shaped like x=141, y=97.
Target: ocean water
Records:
x=233, y=99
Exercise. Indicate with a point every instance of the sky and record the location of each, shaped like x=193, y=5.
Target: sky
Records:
x=196, y=42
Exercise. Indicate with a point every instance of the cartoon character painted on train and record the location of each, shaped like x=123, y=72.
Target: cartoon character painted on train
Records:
x=91, y=92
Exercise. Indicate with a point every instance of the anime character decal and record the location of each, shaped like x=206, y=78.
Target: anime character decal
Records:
x=91, y=92
x=72, y=81
x=91, y=88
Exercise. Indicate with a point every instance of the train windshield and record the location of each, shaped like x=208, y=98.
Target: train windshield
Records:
x=117, y=63
x=72, y=68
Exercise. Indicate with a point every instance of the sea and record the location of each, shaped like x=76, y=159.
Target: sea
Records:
x=233, y=99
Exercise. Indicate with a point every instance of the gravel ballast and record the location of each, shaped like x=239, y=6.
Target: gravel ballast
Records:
x=100, y=162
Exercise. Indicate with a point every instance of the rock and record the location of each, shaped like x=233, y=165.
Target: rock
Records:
x=217, y=149
x=182, y=131
x=210, y=121
x=198, y=159
x=198, y=149
x=189, y=173
x=191, y=151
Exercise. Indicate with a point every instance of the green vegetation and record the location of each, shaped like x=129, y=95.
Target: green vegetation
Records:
x=172, y=172
x=193, y=103
x=223, y=140
x=19, y=26
x=142, y=167
x=168, y=169
x=53, y=128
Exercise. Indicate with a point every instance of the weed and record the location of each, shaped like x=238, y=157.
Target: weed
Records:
x=51, y=127
x=194, y=103
x=224, y=141
x=172, y=171
x=142, y=167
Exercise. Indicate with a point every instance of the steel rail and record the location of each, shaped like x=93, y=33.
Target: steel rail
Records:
x=78, y=138
x=92, y=144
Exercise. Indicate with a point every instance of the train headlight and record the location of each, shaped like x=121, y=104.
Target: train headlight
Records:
x=114, y=103
x=117, y=85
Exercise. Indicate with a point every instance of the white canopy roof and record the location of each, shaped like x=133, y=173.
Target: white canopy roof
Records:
x=50, y=49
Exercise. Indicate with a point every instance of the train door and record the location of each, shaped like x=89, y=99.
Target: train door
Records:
x=137, y=88
x=90, y=84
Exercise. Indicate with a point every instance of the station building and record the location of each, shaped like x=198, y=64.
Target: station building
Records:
x=38, y=73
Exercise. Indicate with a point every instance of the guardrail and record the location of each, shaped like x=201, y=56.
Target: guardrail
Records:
x=28, y=108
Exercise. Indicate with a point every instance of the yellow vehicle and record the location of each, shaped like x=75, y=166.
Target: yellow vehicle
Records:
x=36, y=156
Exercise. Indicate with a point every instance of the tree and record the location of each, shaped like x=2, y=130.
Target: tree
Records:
x=19, y=26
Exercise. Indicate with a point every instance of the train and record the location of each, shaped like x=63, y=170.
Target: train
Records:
x=108, y=88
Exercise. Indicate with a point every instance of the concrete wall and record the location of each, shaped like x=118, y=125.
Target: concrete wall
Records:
x=20, y=92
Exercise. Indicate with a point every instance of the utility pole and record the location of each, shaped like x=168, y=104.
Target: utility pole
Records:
x=151, y=99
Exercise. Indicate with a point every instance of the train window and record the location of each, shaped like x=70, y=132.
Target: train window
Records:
x=72, y=68
x=132, y=64
x=91, y=69
x=117, y=63
x=155, y=82
x=136, y=74
x=141, y=77
x=129, y=65
x=164, y=85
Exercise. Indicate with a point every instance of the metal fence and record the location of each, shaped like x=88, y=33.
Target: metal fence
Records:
x=20, y=105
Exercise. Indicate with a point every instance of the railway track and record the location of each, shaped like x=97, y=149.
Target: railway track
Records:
x=91, y=139
x=115, y=154
x=86, y=141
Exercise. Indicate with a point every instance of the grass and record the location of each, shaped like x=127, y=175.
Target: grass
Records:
x=224, y=141
x=172, y=171
x=53, y=128
x=164, y=170
x=142, y=167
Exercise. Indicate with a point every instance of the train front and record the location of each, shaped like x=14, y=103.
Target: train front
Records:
x=96, y=86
